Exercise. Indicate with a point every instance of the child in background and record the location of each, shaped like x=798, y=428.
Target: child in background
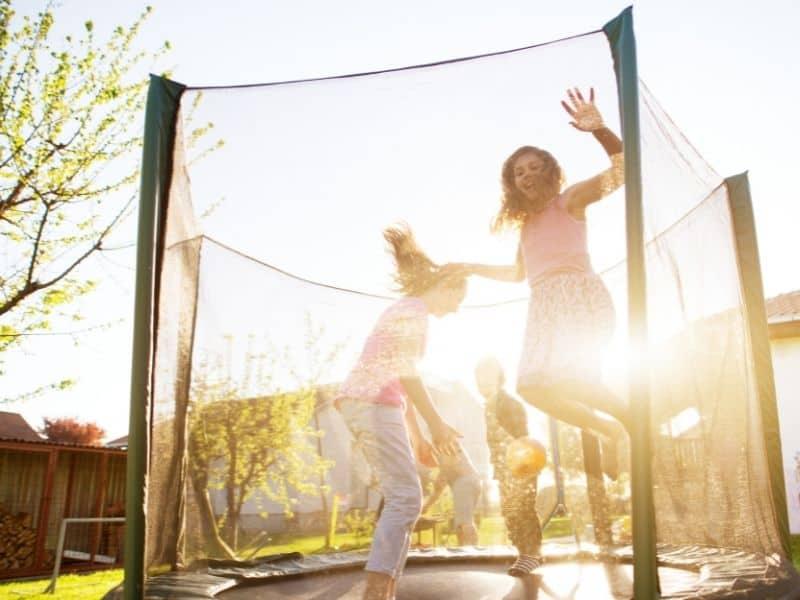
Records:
x=458, y=472
x=506, y=421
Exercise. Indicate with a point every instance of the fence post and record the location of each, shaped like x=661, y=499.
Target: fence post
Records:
x=44, y=508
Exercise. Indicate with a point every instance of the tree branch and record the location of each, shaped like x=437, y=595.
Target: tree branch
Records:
x=23, y=145
x=24, y=181
x=31, y=286
x=36, y=244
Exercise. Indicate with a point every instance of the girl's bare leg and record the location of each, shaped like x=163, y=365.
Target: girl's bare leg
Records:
x=467, y=535
x=576, y=402
x=378, y=586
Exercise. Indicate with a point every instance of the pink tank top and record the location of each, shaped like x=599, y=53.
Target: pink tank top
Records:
x=553, y=241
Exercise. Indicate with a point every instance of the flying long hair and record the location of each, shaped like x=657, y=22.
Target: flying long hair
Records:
x=415, y=272
x=515, y=207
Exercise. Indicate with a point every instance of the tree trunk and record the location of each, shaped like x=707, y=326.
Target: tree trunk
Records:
x=322, y=495
x=231, y=518
x=210, y=530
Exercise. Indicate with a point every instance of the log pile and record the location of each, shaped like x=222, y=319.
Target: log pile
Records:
x=17, y=540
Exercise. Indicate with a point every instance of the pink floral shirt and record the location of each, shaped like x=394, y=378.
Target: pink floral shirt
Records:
x=391, y=351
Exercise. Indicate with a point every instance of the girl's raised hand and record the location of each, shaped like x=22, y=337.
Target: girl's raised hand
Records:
x=584, y=113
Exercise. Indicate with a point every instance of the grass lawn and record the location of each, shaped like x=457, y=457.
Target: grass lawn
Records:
x=93, y=586
x=309, y=545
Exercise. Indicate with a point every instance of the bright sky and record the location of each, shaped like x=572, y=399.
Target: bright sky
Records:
x=727, y=73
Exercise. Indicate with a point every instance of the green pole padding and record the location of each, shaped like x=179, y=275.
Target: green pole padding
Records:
x=645, y=573
x=744, y=231
x=163, y=98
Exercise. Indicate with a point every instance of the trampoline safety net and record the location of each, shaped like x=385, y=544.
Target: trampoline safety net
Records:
x=272, y=270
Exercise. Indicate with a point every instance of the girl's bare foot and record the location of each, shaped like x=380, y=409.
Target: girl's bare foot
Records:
x=378, y=586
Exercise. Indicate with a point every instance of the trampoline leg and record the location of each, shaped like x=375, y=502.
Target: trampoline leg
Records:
x=560, y=507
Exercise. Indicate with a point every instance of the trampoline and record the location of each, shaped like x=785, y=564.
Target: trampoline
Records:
x=261, y=269
x=481, y=573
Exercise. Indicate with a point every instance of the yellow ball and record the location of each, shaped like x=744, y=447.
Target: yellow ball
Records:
x=525, y=457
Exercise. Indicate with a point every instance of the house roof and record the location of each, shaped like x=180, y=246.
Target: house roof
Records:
x=120, y=442
x=15, y=430
x=18, y=444
x=784, y=308
x=783, y=316
x=14, y=427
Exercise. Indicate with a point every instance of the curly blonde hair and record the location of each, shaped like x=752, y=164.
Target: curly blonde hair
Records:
x=415, y=273
x=515, y=207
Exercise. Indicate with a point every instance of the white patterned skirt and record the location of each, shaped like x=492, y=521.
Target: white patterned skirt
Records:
x=570, y=321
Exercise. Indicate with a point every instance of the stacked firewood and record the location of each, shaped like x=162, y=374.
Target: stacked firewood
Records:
x=17, y=540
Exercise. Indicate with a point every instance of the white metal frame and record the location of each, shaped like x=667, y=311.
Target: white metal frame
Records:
x=51, y=588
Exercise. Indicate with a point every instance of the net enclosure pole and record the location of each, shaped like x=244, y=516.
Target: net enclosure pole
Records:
x=619, y=32
x=747, y=261
x=159, y=133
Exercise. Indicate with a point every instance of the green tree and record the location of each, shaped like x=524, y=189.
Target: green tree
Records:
x=70, y=133
x=319, y=358
x=243, y=444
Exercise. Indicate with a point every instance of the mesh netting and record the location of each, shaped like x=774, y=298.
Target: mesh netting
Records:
x=710, y=470
x=274, y=272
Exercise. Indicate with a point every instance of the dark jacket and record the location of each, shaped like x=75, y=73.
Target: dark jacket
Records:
x=511, y=415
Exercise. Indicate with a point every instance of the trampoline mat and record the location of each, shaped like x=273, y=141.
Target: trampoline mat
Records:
x=480, y=573
x=478, y=579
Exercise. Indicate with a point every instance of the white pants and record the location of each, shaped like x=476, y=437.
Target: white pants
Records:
x=466, y=492
x=380, y=431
